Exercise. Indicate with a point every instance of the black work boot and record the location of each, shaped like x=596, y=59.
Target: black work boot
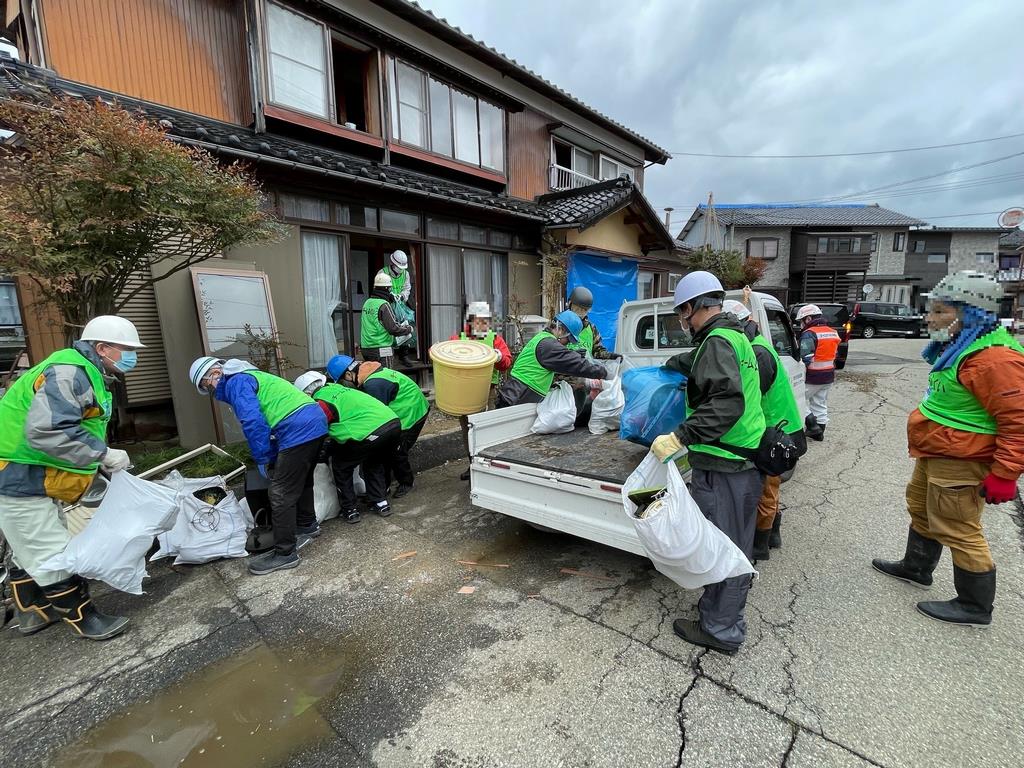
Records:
x=775, y=539
x=34, y=611
x=972, y=606
x=918, y=563
x=692, y=633
x=761, y=545
x=71, y=600
x=268, y=562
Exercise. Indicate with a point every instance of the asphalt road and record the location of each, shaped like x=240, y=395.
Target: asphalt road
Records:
x=368, y=655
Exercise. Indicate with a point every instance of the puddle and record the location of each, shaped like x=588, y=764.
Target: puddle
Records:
x=250, y=710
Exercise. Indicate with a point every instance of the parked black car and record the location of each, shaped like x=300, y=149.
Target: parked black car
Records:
x=838, y=318
x=876, y=318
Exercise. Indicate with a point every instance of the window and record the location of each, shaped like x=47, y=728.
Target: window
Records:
x=303, y=207
x=471, y=234
x=919, y=246
x=1009, y=262
x=396, y=221
x=612, y=169
x=936, y=258
x=355, y=78
x=899, y=241
x=583, y=162
x=673, y=280
x=668, y=335
x=443, y=229
x=645, y=285
x=9, y=313
x=435, y=116
x=822, y=245
x=322, y=282
x=985, y=258
x=501, y=239
x=844, y=245
x=445, y=291
x=355, y=215
x=230, y=303
x=762, y=248
x=781, y=332
x=298, y=61
x=874, y=242
x=856, y=245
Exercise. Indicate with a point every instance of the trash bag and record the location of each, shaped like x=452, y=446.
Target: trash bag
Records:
x=113, y=546
x=655, y=403
x=557, y=412
x=405, y=314
x=357, y=481
x=606, y=409
x=325, y=495
x=211, y=522
x=683, y=544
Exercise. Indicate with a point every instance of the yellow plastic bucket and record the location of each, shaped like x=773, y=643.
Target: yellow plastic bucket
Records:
x=462, y=375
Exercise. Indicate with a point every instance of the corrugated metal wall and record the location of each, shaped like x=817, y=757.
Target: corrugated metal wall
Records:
x=148, y=382
x=189, y=54
x=529, y=154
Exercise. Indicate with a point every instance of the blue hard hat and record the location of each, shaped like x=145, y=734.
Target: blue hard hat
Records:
x=339, y=365
x=572, y=323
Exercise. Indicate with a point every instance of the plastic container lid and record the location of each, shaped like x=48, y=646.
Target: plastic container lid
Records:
x=458, y=353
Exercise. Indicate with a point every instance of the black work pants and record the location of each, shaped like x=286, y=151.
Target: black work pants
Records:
x=402, y=468
x=373, y=455
x=291, y=493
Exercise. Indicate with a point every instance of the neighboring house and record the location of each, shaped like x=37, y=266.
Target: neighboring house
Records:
x=814, y=253
x=1010, y=273
x=373, y=125
x=934, y=252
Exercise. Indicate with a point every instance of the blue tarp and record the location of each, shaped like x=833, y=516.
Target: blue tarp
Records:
x=611, y=282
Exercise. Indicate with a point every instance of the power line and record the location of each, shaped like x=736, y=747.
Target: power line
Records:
x=961, y=215
x=847, y=154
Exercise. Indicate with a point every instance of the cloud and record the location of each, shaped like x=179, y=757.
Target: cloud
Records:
x=787, y=77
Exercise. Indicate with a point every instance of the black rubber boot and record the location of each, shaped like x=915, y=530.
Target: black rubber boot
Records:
x=918, y=563
x=775, y=539
x=34, y=611
x=691, y=632
x=761, y=545
x=71, y=600
x=972, y=606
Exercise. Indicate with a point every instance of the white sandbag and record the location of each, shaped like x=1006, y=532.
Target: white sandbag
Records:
x=325, y=495
x=683, y=544
x=556, y=412
x=112, y=548
x=204, y=532
x=606, y=410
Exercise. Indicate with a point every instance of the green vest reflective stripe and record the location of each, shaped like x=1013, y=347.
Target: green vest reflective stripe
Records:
x=528, y=369
x=779, y=402
x=747, y=431
x=15, y=405
x=277, y=398
x=586, y=340
x=410, y=404
x=489, y=341
x=373, y=335
x=950, y=403
x=359, y=414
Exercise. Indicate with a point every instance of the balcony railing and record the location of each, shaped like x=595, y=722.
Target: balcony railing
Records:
x=566, y=178
x=1011, y=275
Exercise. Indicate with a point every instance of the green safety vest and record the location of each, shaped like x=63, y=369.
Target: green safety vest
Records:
x=398, y=283
x=779, y=402
x=277, y=398
x=950, y=403
x=359, y=415
x=15, y=405
x=586, y=340
x=409, y=404
x=489, y=341
x=747, y=431
x=528, y=369
x=373, y=335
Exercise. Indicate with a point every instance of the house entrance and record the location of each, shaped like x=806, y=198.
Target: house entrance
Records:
x=367, y=256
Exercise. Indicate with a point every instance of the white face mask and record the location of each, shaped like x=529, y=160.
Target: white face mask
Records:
x=941, y=335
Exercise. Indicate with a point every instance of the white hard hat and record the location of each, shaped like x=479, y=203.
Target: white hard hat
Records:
x=696, y=284
x=309, y=378
x=738, y=308
x=399, y=260
x=969, y=287
x=382, y=281
x=478, y=309
x=113, y=330
x=808, y=310
x=200, y=368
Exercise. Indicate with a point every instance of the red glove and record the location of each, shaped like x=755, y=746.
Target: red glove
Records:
x=998, y=490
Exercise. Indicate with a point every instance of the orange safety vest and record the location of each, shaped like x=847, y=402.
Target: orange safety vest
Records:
x=824, y=350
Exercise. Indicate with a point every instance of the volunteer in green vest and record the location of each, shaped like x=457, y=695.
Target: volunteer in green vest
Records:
x=398, y=392
x=778, y=403
x=397, y=272
x=581, y=301
x=378, y=324
x=53, y=441
x=543, y=356
x=967, y=437
x=285, y=430
x=723, y=409
x=363, y=433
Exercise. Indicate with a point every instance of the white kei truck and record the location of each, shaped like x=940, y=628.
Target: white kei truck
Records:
x=572, y=482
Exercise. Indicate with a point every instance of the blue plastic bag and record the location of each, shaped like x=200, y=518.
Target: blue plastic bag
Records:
x=655, y=403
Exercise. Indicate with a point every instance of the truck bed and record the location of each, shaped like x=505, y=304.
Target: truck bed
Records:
x=597, y=457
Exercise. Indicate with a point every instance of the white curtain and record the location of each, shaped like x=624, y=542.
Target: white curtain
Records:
x=445, y=292
x=477, y=271
x=499, y=286
x=321, y=277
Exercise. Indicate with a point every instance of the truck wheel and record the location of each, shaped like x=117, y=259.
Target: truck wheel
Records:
x=869, y=332
x=538, y=527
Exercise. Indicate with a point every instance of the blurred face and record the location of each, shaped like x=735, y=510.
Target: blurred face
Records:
x=479, y=325
x=581, y=312
x=209, y=382
x=349, y=377
x=943, y=320
x=559, y=332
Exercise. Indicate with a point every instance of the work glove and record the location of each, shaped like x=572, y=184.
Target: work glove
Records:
x=615, y=356
x=665, y=447
x=998, y=490
x=114, y=460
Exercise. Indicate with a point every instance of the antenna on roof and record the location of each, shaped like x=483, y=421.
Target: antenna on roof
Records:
x=712, y=231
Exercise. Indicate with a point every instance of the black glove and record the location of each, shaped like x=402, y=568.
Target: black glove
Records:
x=615, y=356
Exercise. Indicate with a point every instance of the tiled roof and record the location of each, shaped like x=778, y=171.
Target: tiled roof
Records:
x=1013, y=239
x=860, y=215
x=21, y=80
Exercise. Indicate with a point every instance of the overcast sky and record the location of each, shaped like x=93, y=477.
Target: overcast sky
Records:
x=789, y=77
